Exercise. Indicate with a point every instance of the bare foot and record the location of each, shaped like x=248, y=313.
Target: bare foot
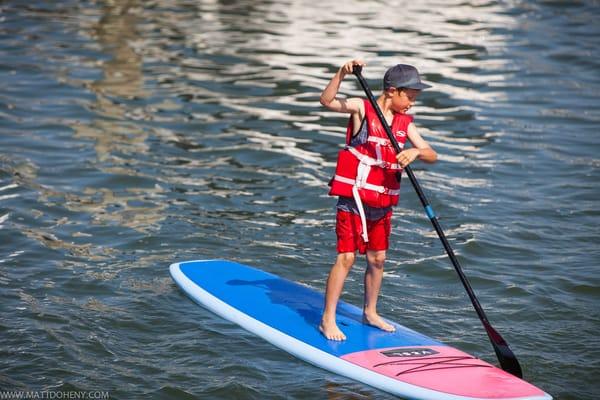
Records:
x=331, y=331
x=378, y=322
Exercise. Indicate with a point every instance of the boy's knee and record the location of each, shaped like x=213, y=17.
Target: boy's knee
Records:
x=346, y=260
x=376, y=259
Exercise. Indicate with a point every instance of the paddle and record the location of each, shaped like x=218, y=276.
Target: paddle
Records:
x=507, y=359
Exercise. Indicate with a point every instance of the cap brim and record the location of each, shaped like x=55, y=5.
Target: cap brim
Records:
x=418, y=86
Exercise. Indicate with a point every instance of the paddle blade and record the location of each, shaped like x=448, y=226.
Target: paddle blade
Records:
x=507, y=359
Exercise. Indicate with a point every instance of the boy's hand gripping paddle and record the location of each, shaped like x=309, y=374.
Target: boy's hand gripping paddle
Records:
x=507, y=359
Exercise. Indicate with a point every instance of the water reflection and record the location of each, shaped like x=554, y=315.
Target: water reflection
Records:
x=114, y=31
x=119, y=143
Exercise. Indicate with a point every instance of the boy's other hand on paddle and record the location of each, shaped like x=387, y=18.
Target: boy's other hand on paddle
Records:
x=407, y=156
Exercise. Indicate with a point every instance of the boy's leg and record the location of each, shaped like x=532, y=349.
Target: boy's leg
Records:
x=335, y=285
x=373, y=278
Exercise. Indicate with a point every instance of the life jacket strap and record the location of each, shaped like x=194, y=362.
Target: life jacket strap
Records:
x=365, y=159
x=367, y=186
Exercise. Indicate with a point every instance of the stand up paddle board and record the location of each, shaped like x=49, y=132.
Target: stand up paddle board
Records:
x=287, y=314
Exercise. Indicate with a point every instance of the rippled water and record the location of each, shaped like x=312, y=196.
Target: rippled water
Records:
x=135, y=134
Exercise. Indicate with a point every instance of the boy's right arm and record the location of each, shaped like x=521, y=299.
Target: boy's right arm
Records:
x=329, y=99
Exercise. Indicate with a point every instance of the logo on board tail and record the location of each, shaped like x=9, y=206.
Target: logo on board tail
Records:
x=409, y=352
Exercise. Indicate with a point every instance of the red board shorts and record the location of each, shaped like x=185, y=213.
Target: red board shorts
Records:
x=349, y=229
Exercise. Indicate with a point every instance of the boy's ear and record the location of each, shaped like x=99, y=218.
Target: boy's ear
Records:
x=390, y=91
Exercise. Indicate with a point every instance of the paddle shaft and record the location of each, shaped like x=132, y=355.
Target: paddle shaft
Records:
x=507, y=359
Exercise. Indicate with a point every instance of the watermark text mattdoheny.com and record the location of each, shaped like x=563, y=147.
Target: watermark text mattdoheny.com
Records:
x=54, y=394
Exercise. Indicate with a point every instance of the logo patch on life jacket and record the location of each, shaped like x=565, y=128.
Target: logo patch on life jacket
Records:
x=409, y=352
x=401, y=134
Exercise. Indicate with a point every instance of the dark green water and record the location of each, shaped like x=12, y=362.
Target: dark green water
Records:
x=135, y=134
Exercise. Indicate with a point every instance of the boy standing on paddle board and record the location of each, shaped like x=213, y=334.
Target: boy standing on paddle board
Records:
x=366, y=181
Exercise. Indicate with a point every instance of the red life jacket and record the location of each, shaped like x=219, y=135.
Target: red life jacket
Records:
x=367, y=171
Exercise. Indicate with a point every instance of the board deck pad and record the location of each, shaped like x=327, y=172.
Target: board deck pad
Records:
x=287, y=314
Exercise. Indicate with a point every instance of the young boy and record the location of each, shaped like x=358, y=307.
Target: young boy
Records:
x=366, y=181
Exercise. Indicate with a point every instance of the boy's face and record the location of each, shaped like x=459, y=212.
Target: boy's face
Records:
x=403, y=99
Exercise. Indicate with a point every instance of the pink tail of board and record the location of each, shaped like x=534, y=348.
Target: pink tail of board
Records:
x=444, y=369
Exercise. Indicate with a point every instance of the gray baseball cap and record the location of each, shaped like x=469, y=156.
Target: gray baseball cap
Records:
x=403, y=76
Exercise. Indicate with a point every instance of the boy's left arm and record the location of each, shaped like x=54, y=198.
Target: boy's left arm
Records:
x=421, y=149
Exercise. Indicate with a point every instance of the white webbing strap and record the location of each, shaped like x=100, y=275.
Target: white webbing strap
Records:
x=365, y=159
x=379, y=140
x=382, y=141
x=361, y=212
x=368, y=186
x=378, y=152
x=362, y=173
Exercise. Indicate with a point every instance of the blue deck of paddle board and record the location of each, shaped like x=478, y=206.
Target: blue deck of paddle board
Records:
x=292, y=308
